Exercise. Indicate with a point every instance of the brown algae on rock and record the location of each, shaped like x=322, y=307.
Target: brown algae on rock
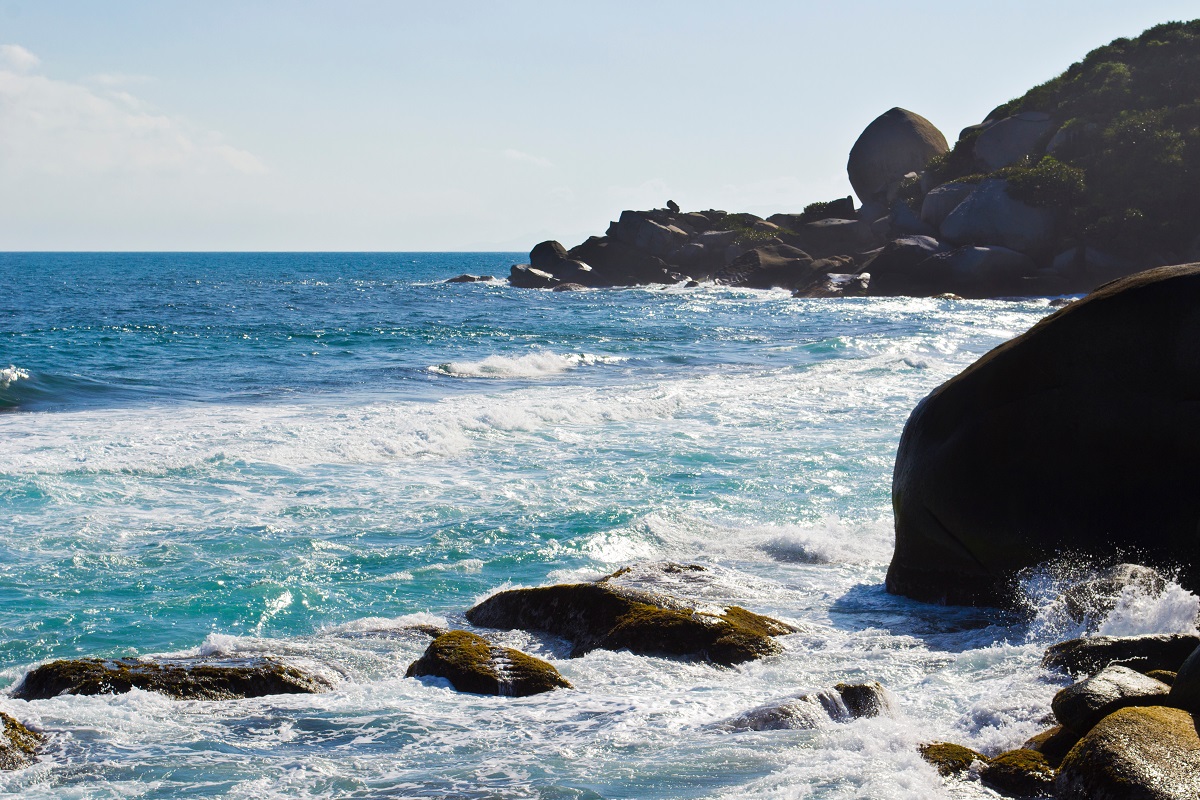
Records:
x=473, y=664
x=600, y=615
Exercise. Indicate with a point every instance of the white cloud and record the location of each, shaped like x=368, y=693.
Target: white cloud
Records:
x=17, y=58
x=517, y=155
x=62, y=128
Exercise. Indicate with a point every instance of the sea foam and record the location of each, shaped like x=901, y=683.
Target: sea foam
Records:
x=531, y=365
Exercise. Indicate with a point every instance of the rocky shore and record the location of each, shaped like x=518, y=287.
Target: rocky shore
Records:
x=1084, y=179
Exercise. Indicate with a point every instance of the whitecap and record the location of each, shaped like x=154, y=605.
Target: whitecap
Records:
x=530, y=365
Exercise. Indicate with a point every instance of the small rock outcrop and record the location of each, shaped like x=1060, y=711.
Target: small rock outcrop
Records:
x=951, y=759
x=896, y=143
x=18, y=744
x=473, y=664
x=182, y=679
x=1083, y=704
x=1145, y=753
x=469, y=278
x=600, y=615
x=1091, y=654
x=1109, y=380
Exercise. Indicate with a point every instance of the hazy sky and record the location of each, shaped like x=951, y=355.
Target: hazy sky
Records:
x=370, y=125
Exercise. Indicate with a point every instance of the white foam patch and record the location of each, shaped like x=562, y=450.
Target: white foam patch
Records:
x=1138, y=613
x=532, y=365
x=11, y=374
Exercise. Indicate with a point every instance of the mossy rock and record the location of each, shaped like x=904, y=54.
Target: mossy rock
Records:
x=182, y=679
x=1054, y=744
x=18, y=744
x=473, y=664
x=951, y=759
x=602, y=616
x=1020, y=773
x=1140, y=753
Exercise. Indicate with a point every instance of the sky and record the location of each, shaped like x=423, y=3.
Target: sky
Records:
x=363, y=125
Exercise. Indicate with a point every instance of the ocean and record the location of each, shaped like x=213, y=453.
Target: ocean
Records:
x=303, y=455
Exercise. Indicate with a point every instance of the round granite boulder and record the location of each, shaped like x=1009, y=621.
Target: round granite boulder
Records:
x=894, y=144
x=1079, y=436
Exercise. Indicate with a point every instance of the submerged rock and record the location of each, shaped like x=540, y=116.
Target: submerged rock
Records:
x=1150, y=753
x=1019, y=773
x=1110, y=381
x=951, y=759
x=600, y=615
x=1096, y=597
x=18, y=744
x=842, y=703
x=473, y=664
x=182, y=679
x=468, y=278
x=1143, y=653
x=1083, y=704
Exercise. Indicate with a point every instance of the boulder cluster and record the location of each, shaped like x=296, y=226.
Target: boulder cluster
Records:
x=1086, y=178
x=599, y=614
x=1123, y=733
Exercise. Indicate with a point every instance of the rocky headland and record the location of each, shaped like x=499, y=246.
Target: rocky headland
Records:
x=1088, y=177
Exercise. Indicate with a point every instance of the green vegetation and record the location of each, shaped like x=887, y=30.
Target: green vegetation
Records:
x=1126, y=160
x=1048, y=183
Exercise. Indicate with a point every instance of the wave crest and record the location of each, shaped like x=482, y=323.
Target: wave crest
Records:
x=531, y=365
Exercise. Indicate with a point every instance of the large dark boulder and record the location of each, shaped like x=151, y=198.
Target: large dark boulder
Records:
x=182, y=679
x=473, y=664
x=18, y=744
x=1150, y=753
x=1080, y=436
x=602, y=615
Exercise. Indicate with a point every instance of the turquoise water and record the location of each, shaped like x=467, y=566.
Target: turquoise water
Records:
x=302, y=454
